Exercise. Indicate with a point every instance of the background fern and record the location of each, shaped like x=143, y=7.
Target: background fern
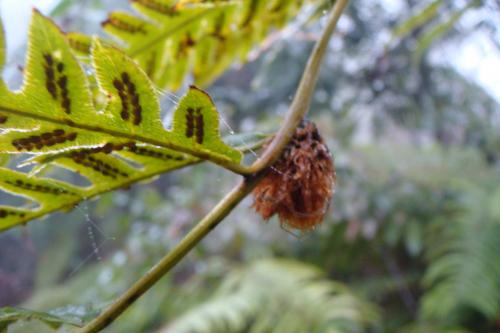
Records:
x=278, y=296
x=464, y=266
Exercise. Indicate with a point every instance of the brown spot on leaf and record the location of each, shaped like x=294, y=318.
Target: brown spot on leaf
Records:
x=54, y=80
x=51, y=88
x=129, y=98
x=143, y=151
x=199, y=127
x=195, y=124
x=26, y=185
x=72, y=136
x=58, y=132
x=4, y=213
x=158, y=7
x=122, y=25
x=118, y=84
x=189, y=122
x=79, y=45
x=66, y=105
x=85, y=158
x=125, y=77
x=48, y=59
x=48, y=139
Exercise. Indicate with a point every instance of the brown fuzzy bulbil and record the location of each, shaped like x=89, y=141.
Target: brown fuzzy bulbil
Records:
x=299, y=186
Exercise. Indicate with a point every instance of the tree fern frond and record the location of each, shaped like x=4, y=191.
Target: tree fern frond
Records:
x=227, y=314
x=55, y=118
x=278, y=296
x=202, y=37
x=465, y=268
x=431, y=328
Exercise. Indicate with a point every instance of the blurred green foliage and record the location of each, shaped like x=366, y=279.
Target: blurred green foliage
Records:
x=411, y=243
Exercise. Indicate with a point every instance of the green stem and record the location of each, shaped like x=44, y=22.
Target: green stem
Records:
x=209, y=222
x=298, y=110
x=302, y=98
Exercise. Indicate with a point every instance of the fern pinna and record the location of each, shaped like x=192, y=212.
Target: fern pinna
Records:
x=102, y=121
x=56, y=117
x=173, y=38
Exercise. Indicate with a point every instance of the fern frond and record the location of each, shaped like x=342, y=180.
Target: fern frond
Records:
x=9, y=315
x=57, y=116
x=174, y=38
x=465, y=266
x=278, y=296
x=431, y=328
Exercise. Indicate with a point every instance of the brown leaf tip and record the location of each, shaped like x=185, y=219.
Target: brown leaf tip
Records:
x=299, y=186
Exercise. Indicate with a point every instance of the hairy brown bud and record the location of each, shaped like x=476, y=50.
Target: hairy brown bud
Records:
x=299, y=186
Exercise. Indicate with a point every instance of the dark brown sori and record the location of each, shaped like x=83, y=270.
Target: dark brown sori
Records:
x=129, y=98
x=25, y=185
x=156, y=154
x=106, y=148
x=299, y=186
x=56, y=82
x=119, y=24
x=128, y=146
x=4, y=213
x=186, y=43
x=88, y=160
x=158, y=6
x=41, y=140
x=195, y=124
x=79, y=45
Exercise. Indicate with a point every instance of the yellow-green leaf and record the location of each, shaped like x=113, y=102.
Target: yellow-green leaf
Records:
x=47, y=194
x=108, y=131
x=196, y=123
x=192, y=36
x=80, y=43
x=132, y=104
x=54, y=79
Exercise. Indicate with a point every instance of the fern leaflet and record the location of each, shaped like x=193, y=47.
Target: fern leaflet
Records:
x=105, y=127
x=174, y=38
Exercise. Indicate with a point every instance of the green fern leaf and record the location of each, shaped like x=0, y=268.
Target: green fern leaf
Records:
x=191, y=36
x=465, y=266
x=80, y=43
x=278, y=296
x=57, y=117
x=56, y=91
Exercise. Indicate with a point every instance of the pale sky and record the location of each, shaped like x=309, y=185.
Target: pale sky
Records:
x=16, y=15
x=476, y=57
